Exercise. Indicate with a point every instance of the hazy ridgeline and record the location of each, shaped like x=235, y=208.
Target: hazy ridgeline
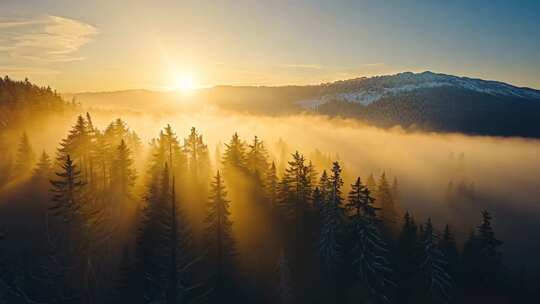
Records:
x=449, y=178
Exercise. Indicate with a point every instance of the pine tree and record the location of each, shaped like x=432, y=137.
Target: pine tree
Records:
x=488, y=256
x=406, y=259
x=371, y=184
x=332, y=223
x=122, y=174
x=163, y=254
x=294, y=197
x=369, y=249
x=67, y=190
x=219, y=240
x=325, y=187
x=25, y=158
x=235, y=154
x=78, y=146
x=434, y=266
x=257, y=158
x=177, y=255
x=448, y=246
x=197, y=154
x=386, y=203
x=147, y=281
x=43, y=168
x=166, y=149
x=80, y=229
x=360, y=200
x=272, y=185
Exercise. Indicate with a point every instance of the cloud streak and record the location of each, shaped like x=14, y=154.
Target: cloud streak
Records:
x=47, y=39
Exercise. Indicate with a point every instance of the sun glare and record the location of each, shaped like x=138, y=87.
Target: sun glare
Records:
x=185, y=83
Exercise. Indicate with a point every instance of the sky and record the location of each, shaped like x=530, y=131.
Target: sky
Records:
x=99, y=45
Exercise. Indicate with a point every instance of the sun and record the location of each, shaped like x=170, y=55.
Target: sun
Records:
x=185, y=83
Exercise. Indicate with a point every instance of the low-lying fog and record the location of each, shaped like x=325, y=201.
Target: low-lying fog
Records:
x=502, y=173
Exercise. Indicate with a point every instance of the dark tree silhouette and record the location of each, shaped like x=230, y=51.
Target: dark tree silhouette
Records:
x=25, y=158
x=219, y=240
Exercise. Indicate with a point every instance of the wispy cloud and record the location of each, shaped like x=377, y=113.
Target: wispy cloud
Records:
x=26, y=71
x=376, y=64
x=301, y=66
x=44, y=39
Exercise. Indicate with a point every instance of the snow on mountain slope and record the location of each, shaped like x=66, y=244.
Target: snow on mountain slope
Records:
x=368, y=90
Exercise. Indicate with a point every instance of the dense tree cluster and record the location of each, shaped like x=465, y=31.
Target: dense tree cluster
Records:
x=175, y=227
x=22, y=102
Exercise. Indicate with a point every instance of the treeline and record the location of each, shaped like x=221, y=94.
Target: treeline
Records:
x=21, y=103
x=244, y=228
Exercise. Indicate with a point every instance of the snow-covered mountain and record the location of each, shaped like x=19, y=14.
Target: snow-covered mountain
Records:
x=368, y=90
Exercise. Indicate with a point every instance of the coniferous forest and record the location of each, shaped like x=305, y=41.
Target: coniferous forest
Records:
x=109, y=218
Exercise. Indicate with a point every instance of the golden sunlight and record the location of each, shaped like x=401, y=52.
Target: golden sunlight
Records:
x=185, y=82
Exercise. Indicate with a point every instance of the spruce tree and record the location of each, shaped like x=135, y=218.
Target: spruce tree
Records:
x=434, y=266
x=386, y=203
x=448, y=246
x=78, y=146
x=369, y=250
x=332, y=223
x=166, y=149
x=406, y=259
x=219, y=241
x=325, y=187
x=371, y=184
x=25, y=157
x=67, y=192
x=123, y=174
x=294, y=197
x=486, y=254
x=360, y=200
x=177, y=252
x=235, y=154
x=271, y=185
x=148, y=283
x=197, y=154
x=257, y=158
x=43, y=168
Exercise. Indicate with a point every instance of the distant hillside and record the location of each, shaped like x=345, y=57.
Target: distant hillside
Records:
x=22, y=100
x=435, y=102
x=425, y=101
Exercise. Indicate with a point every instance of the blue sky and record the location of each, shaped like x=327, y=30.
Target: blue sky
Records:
x=108, y=45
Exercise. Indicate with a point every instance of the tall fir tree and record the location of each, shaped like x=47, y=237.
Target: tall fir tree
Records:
x=196, y=150
x=43, y=168
x=371, y=184
x=406, y=260
x=272, y=185
x=25, y=157
x=482, y=261
x=67, y=192
x=332, y=223
x=369, y=249
x=447, y=244
x=385, y=201
x=294, y=198
x=257, y=158
x=78, y=146
x=220, y=245
x=123, y=174
x=235, y=154
x=433, y=263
